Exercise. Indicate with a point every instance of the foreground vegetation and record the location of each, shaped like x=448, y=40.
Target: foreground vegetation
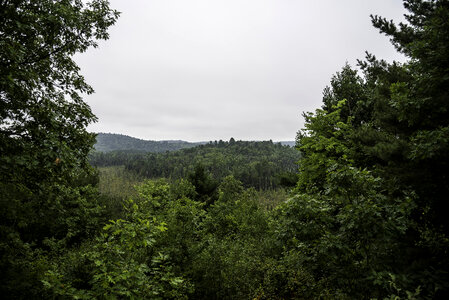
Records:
x=366, y=219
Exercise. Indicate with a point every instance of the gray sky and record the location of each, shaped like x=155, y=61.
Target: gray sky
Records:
x=202, y=70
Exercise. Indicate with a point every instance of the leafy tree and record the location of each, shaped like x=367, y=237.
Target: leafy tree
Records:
x=408, y=135
x=123, y=262
x=228, y=262
x=347, y=230
x=418, y=106
x=348, y=85
x=43, y=140
x=182, y=215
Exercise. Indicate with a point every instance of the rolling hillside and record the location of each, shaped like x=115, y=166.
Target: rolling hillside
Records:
x=107, y=142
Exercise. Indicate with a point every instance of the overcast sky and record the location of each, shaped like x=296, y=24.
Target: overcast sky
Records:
x=201, y=70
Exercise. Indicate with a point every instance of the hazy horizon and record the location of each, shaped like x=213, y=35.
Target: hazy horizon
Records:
x=206, y=70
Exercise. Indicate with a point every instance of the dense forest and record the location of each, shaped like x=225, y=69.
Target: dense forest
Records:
x=366, y=219
x=262, y=165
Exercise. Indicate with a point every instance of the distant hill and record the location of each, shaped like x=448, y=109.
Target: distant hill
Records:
x=107, y=142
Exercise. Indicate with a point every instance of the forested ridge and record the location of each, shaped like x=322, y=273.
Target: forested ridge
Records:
x=366, y=218
x=106, y=142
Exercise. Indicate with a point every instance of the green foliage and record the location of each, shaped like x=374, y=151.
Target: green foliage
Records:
x=369, y=211
x=121, y=262
x=348, y=85
x=262, y=165
x=229, y=258
x=367, y=218
x=205, y=186
x=324, y=145
x=47, y=202
x=221, y=250
x=181, y=215
x=417, y=129
x=235, y=212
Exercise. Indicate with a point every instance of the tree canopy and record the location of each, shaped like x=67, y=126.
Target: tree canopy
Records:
x=43, y=138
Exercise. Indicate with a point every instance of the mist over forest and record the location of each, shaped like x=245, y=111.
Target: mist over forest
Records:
x=354, y=208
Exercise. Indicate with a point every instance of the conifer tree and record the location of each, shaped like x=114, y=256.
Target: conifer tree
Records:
x=389, y=126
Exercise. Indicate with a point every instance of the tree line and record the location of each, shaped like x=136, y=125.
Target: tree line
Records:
x=263, y=165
